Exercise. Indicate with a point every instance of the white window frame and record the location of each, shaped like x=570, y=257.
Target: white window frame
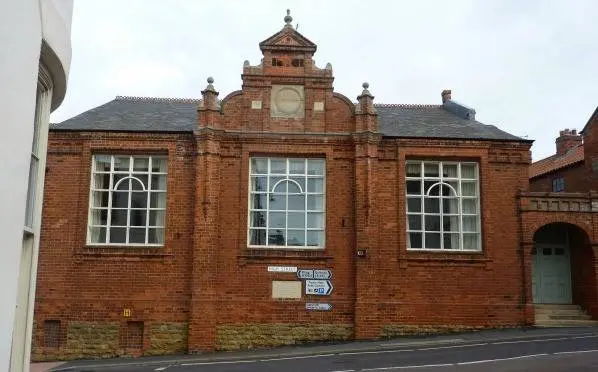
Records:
x=130, y=173
x=287, y=177
x=438, y=181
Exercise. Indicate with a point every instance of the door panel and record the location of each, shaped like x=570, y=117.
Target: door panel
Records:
x=551, y=275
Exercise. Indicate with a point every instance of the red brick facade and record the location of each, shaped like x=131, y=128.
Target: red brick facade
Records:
x=204, y=289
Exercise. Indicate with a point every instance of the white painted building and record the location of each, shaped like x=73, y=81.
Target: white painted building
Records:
x=35, y=55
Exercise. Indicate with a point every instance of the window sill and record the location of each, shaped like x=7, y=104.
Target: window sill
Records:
x=123, y=251
x=444, y=258
x=259, y=255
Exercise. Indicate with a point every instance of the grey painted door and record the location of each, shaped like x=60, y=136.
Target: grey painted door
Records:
x=551, y=274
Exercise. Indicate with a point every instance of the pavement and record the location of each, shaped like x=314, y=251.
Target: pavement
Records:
x=421, y=342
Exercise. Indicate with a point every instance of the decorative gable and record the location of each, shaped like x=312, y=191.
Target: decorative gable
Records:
x=288, y=40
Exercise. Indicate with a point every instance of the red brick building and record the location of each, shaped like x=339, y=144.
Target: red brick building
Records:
x=282, y=213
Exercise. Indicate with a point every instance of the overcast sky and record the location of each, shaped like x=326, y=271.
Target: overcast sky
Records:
x=529, y=67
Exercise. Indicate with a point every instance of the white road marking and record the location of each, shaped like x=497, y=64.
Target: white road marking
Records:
x=220, y=362
x=576, y=352
x=422, y=343
x=501, y=359
x=452, y=347
x=534, y=340
x=405, y=367
x=375, y=352
x=161, y=368
x=345, y=370
x=589, y=336
x=298, y=357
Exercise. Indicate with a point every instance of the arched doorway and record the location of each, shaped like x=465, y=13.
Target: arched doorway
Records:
x=562, y=267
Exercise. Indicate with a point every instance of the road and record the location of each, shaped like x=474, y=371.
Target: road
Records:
x=546, y=354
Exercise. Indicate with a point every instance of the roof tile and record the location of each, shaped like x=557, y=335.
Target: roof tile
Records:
x=554, y=162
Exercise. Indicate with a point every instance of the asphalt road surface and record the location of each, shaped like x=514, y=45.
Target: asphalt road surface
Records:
x=546, y=354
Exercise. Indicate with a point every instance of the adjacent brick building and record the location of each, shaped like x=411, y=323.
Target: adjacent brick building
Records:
x=177, y=225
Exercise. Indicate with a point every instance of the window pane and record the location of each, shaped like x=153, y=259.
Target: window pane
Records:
x=296, y=237
x=157, y=218
x=414, y=205
x=259, y=166
x=431, y=170
x=315, y=185
x=97, y=235
x=299, y=181
x=469, y=188
x=278, y=184
x=157, y=200
x=470, y=223
x=137, y=235
x=139, y=199
x=139, y=182
x=257, y=237
x=432, y=205
x=120, y=199
x=432, y=241
x=119, y=217
x=470, y=241
x=121, y=182
x=432, y=223
x=414, y=222
x=315, y=202
x=101, y=181
x=140, y=164
x=450, y=205
x=102, y=163
x=449, y=170
x=159, y=182
x=431, y=188
x=450, y=223
x=468, y=171
x=118, y=235
x=276, y=237
x=315, y=166
x=121, y=164
x=470, y=206
x=99, y=217
x=450, y=188
x=297, y=166
x=293, y=188
x=297, y=202
x=259, y=184
x=278, y=202
x=315, y=238
x=414, y=187
x=414, y=240
x=278, y=166
x=258, y=219
x=296, y=220
x=159, y=165
x=451, y=241
x=277, y=219
x=155, y=236
x=315, y=220
x=258, y=201
x=413, y=170
x=99, y=199
x=31, y=192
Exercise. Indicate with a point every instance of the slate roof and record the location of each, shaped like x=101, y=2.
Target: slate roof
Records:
x=135, y=114
x=555, y=162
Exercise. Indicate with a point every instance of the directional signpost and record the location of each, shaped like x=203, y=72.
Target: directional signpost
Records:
x=318, y=287
x=317, y=306
x=305, y=274
x=322, y=274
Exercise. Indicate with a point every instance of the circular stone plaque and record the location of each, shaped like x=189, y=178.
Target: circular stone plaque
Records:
x=288, y=101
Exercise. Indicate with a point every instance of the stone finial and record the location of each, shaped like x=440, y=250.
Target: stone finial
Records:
x=365, y=91
x=246, y=63
x=446, y=95
x=210, y=87
x=288, y=19
x=329, y=66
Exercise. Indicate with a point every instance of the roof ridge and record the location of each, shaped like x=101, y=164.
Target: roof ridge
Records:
x=407, y=105
x=158, y=99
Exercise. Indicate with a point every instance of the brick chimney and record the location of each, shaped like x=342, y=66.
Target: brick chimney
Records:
x=446, y=95
x=567, y=139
